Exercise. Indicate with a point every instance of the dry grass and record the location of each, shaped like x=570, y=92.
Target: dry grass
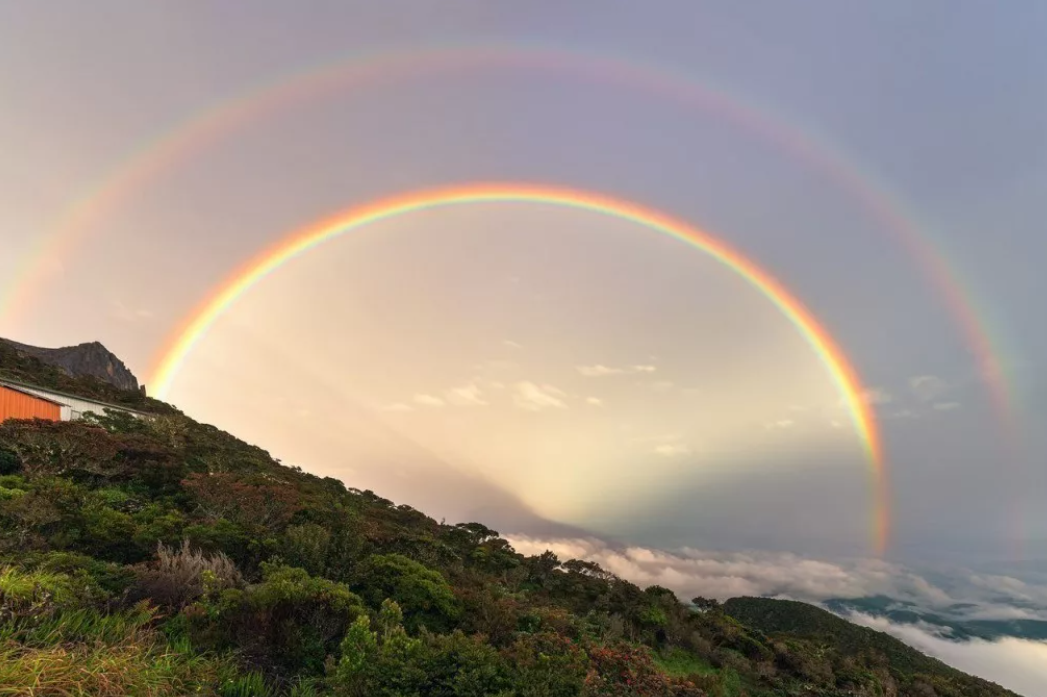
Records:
x=177, y=577
x=102, y=670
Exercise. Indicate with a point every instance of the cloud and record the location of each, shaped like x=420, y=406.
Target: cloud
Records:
x=595, y=401
x=877, y=395
x=1017, y=664
x=465, y=396
x=927, y=387
x=126, y=314
x=428, y=400
x=692, y=572
x=672, y=449
x=600, y=370
x=662, y=385
x=511, y=344
x=780, y=423
x=945, y=406
x=532, y=397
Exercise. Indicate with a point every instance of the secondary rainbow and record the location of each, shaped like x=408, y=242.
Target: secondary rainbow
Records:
x=205, y=127
x=180, y=345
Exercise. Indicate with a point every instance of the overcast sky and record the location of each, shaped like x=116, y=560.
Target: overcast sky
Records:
x=543, y=368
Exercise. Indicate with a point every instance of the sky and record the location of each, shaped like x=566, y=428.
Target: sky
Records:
x=558, y=372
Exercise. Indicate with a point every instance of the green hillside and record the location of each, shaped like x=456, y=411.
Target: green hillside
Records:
x=166, y=557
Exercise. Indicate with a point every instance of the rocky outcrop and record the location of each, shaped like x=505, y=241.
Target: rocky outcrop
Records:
x=91, y=359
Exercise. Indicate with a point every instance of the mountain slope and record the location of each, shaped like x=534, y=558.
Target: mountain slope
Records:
x=169, y=554
x=796, y=619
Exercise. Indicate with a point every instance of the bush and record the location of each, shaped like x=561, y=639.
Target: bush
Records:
x=625, y=670
x=390, y=663
x=288, y=623
x=546, y=665
x=180, y=576
x=423, y=593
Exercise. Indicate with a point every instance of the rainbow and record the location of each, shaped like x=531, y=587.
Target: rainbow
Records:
x=172, y=357
x=188, y=136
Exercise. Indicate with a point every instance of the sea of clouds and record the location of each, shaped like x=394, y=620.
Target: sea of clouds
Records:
x=1015, y=663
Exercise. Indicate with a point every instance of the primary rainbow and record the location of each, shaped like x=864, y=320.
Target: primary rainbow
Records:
x=199, y=321
x=203, y=128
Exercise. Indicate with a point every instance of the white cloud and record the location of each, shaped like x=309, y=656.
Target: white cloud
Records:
x=927, y=387
x=692, y=572
x=595, y=401
x=877, y=395
x=465, y=396
x=532, y=397
x=657, y=438
x=428, y=400
x=599, y=370
x=946, y=406
x=127, y=314
x=672, y=449
x=780, y=423
x=1016, y=664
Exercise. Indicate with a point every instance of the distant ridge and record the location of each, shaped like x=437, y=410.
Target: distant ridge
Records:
x=84, y=360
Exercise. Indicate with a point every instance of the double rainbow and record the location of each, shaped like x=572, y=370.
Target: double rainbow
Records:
x=177, y=349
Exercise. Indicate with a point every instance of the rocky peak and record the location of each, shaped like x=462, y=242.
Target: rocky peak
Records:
x=91, y=359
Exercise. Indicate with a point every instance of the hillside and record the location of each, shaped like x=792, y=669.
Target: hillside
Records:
x=166, y=557
x=788, y=618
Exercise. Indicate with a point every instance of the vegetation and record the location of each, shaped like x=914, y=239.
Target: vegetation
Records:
x=165, y=557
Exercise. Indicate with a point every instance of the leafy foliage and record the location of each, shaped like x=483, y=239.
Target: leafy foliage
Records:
x=166, y=557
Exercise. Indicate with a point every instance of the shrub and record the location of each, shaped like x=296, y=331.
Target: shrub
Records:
x=423, y=593
x=625, y=670
x=290, y=622
x=180, y=576
x=546, y=665
x=390, y=663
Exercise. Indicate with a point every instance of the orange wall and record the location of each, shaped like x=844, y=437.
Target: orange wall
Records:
x=15, y=405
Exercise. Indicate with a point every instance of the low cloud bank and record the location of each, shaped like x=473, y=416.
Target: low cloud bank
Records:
x=691, y=572
x=1017, y=664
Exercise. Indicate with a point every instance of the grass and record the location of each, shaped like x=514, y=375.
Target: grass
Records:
x=681, y=664
x=719, y=682
x=133, y=668
x=20, y=590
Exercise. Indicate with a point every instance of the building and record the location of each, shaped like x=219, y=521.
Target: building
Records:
x=19, y=404
x=22, y=401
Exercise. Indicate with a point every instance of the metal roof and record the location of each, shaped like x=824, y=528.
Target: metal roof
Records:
x=27, y=393
x=20, y=387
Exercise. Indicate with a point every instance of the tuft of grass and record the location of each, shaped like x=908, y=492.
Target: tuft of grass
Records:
x=21, y=590
x=249, y=685
x=104, y=670
x=81, y=625
x=680, y=663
